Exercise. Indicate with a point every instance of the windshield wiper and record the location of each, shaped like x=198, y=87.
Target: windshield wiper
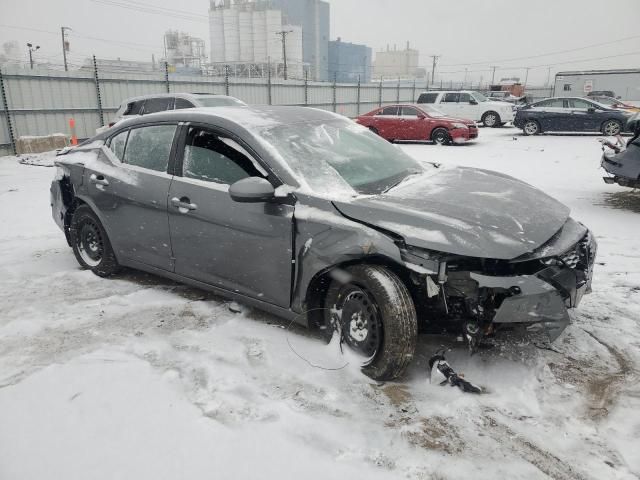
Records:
x=411, y=174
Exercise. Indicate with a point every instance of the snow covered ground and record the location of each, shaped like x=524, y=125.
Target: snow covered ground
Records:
x=138, y=377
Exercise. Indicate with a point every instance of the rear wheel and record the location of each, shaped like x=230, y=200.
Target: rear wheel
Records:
x=531, y=127
x=90, y=243
x=376, y=318
x=611, y=128
x=491, y=119
x=441, y=136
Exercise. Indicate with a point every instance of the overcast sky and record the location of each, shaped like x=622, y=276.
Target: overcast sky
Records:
x=511, y=34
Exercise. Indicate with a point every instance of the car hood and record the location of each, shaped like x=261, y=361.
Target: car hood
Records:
x=464, y=211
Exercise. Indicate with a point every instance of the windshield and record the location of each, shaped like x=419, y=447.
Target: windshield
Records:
x=431, y=111
x=219, y=102
x=479, y=97
x=340, y=156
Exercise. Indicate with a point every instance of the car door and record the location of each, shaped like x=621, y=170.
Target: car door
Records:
x=466, y=109
x=586, y=115
x=549, y=114
x=240, y=247
x=413, y=124
x=387, y=122
x=128, y=186
x=449, y=104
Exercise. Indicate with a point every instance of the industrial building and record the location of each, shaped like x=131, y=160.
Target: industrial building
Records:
x=392, y=64
x=247, y=40
x=623, y=83
x=349, y=62
x=182, y=51
x=313, y=17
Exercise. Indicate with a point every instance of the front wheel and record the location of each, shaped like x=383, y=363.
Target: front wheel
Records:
x=440, y=136
x=491, y=119
x=90, y=243
x=376, y=318
x=611, y=128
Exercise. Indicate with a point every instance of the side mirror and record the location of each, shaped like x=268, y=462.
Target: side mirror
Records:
x=591, y=110
x=252, y=190
x=473, y=102
x=421, y=116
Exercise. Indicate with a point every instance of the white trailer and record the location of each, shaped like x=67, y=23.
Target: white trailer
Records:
x=623, y=83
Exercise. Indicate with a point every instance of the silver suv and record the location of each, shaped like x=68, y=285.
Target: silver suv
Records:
x=160, y=102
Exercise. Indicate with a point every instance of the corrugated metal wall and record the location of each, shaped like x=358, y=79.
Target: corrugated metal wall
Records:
x=42, y=101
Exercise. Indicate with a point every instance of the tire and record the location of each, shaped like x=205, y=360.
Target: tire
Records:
x=531, y=127
x=611, y=128
x=383, y=325
x=491, y=119
x=440, y=136
x=90, y=243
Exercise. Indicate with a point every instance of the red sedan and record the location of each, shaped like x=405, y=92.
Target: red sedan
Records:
x=410, y=122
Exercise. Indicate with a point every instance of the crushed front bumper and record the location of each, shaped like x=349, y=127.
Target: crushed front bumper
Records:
x=541, y=301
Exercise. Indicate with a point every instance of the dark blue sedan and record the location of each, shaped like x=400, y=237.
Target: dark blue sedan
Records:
x=570, y=114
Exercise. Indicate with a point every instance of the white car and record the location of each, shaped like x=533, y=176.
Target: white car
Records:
x=160, y=102
x=471, y=105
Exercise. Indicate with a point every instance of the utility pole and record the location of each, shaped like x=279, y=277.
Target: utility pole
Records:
x=548, y=76
x=283, y=34
x=65, y=47
x=31, y=50
x=526, y=77
x=493, y=74
x=465, y=77
x=433, y=67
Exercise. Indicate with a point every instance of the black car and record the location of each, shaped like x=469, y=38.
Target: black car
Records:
x=623, y=164
x=312, y=217
x=570, y=114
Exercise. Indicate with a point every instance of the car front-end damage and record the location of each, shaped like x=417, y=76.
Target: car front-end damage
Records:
x=480, y=296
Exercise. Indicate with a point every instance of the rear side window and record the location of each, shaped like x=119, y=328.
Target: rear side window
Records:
x=150, y=147
x=389, y=111
x=117, y=143
x=451, y=98
x=182, y=103
x=134, y=108
x=427, y=98
x=211, y=158
x=154, y=105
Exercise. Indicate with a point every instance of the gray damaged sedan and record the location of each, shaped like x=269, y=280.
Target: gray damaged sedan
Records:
x=309, y=216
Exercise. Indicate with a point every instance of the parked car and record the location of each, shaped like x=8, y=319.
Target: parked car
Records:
x=622, y=163
x=570, y=114
x=615, y=103
x=505, y=96
x=466, y=104
x=601, y=93
x=160, y=102
x=312, y=217
x=411, y=122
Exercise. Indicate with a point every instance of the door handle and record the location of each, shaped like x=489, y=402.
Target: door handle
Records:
x=98, y=179
x=183, y=204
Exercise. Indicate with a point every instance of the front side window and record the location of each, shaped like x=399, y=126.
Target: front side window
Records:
x=451, y=97
x=479, y=97
x=464, y=98
x=117, y=143
x=409, y=112
x=427, y=98
x=211, y=158
x=160, y=104
x=150, y=147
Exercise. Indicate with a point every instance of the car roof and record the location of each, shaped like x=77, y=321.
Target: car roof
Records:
x=185, y=95
x=449, y=91
x=248, y=117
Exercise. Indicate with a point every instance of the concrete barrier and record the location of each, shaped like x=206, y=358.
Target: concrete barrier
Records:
x=45, y=143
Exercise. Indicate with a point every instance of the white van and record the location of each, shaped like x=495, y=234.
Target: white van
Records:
x=471, y=105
